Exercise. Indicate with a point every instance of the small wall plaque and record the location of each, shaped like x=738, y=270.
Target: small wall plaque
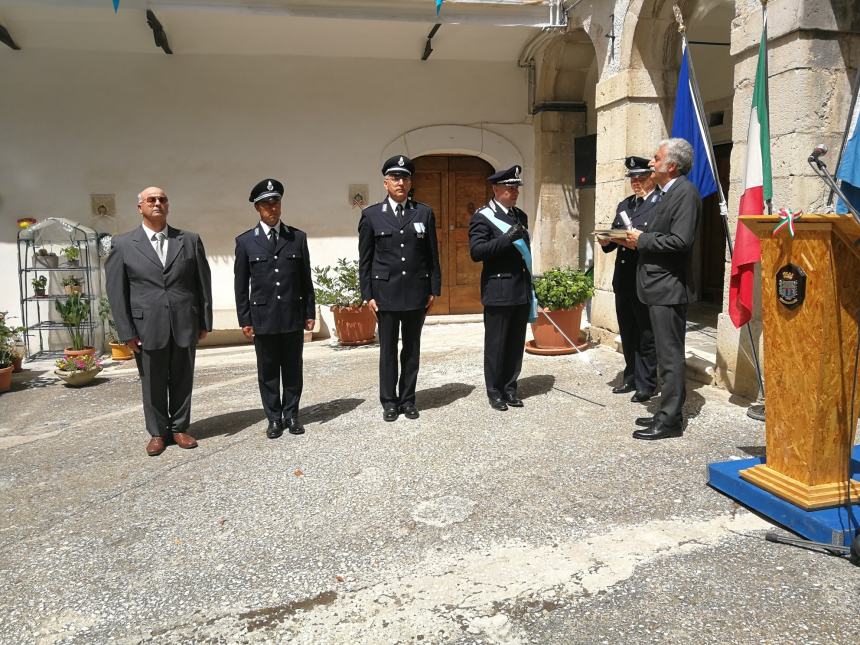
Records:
x=103, y=205
x=358, y=195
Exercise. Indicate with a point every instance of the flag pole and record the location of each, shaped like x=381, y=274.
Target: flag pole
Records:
x=724, y=207
x=847, y=128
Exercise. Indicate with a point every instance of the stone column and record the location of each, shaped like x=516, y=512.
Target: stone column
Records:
x=812, y=63
x=630, y=121
x=556, y=230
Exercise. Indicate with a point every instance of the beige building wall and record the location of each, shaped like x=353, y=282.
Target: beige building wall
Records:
x=207, y=128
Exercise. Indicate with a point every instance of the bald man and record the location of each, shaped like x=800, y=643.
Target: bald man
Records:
x=160, y=292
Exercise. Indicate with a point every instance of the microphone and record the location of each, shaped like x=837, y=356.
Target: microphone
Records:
x=819, y=151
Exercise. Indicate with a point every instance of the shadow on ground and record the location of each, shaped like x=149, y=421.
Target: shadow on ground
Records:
x=535, y=385
x=328, y=411
x=439, y=397
x=226, y=424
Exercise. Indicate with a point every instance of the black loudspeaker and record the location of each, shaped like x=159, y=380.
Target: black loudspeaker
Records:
x=585, y=161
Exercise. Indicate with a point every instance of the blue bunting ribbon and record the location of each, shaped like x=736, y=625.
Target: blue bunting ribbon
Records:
x=438, y=6
x=115, y=6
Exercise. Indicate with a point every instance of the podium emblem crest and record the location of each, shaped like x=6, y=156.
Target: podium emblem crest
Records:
x=791, y=286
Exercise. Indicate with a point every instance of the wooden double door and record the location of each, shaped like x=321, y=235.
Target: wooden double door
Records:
x=454, y=186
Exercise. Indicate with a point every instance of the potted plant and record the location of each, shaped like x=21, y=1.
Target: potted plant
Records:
x=338, y=287
x=561, y=293
x=39, y=283
x=73, y=255
x=78, y=370
x=74, y=313
x=47, y=259
x=8, y=336
x=73, y=284
x=119, y=351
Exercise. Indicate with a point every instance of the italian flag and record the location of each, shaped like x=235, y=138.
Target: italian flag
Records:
x=758, y=188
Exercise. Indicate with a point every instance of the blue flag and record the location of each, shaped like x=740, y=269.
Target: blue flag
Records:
x=849, y=167
x=115, y=6
x=688, y=124
x=438, y=6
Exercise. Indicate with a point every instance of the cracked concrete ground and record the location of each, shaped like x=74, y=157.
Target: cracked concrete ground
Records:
x=548, y=524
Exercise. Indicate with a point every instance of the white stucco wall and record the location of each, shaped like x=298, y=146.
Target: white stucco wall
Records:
x=206, y=128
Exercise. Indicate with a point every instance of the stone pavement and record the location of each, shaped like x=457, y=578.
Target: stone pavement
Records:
x=548, y=524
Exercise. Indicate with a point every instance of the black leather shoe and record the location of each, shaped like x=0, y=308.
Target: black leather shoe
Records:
x=293, y=426
x=498, y=404
x=275, y=429
x=658, y=431
x=641, y=397
x=624, y=388
x=409, y=411
x=390, y=414
x=513, y=401
x=644, y=421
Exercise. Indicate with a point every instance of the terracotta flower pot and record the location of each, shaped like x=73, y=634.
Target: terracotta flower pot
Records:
x=72, y=289
x=547, y=336
x=120, y=352
x=16, y=363
x=68, y=352
x=5, y=379
x=78, y=378
x=354, y=325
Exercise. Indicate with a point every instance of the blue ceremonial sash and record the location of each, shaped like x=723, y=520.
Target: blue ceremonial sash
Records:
x=522, y=247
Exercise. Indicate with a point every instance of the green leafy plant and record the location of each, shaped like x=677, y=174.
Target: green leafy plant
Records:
x=72, y=253
x=563, y=288
x=9, y=336
x=74, y=313
x=39, y=283
x=106, y=315
x=338, y=286
x=73, y=281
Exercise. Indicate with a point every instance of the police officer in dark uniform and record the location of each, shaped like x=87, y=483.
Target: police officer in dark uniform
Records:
x=506, y=286
x=400, y=277
x=634, y=323
x=275, y=304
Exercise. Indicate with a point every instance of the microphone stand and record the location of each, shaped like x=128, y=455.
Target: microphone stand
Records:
x=820, y=169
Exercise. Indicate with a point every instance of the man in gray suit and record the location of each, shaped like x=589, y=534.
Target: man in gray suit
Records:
x=160, y=292
x=664, y=279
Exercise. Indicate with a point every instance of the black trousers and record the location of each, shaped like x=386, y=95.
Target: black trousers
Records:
x=279, y=362
x=669, y=323
x=166, y=378
x=504, y=343
x=637, y=341
x=392, y=325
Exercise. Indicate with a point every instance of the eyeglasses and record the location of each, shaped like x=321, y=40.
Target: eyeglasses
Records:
x=152, y=201
x=398, y=179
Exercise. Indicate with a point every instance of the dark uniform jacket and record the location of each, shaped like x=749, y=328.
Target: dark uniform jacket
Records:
x=274, y=290
x=664, y=275
x=624, y=278
x=505, y=280
x=155, y=302
x=398, y=262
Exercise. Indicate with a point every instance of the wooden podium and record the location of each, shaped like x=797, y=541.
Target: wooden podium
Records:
x=809, y=353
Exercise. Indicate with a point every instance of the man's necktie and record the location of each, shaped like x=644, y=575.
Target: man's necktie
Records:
x=399, y=212
x=160, y=240
x=638, y=203
x=273, y=238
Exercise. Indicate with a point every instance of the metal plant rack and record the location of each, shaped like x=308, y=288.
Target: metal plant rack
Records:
x=55, y=233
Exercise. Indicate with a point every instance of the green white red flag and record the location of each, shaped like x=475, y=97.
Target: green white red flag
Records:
x=758, y=189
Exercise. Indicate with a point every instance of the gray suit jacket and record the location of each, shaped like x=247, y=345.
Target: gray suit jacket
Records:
x=152, y=301
x=663, y=274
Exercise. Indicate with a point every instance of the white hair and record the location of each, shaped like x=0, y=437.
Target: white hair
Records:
x=680, y=152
